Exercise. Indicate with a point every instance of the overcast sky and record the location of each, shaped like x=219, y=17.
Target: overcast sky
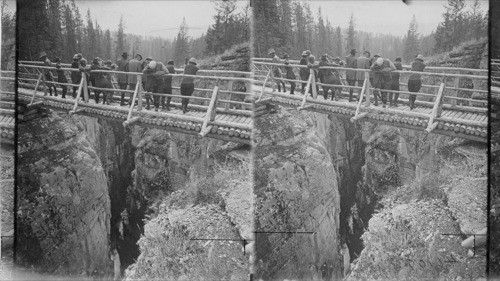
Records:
x=392, y=16
x=153, y=18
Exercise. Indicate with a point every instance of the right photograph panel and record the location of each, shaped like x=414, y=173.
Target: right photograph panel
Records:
x=371, y=133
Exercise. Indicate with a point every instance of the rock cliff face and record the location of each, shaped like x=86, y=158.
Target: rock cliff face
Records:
x=296, y=190
x=63, y=203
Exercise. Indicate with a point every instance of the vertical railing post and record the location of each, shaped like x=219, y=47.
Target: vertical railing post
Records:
x=308, y=86
x=437, y=109
x=36, y=88
x=78, y=95
x=456, y=84
x=264, y=85
x=211, y=112
x=85, y=87
x=313, y=82
x=139, y=92
x=368, y=89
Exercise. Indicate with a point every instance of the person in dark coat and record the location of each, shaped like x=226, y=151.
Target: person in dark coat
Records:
x=100, y=80
x=382, y=78
x=312, y=64
x=61, y=77
x=187, y=84
x=304, y=72
x=76, y=76
x=47, y=74
x=122, y=78
x=134, y=65
x=372, y=73
x=84, y=69
x=351, y=75
x=289, y=73
x=393, y=97
x=329, y=76
x=415, y=82
x=155, y=73
x=362, y=62
x=168, y=85
x=276, y=70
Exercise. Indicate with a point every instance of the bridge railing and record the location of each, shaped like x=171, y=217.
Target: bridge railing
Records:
x=451, y=94
x=211, y=103
x=437, y=104
x=7, y=105
x=495, y=72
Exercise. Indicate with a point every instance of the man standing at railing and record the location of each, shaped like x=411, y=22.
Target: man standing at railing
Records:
x=122, y=78
x=61, y=78
x=187, y=84
x=415, y=82
x=393, y=97
x=289, y=74
x=168, y=85
x=382, y=78
x=135, y=65
x=304, y=72
x=155, y=73
x=100, y=80
x=351, y=75
x=362, y=62
x=329, y=76
x=47, y=74
x=76, y=76
x=276, y=70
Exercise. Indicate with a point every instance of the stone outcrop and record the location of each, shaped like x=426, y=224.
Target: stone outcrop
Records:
x=296, y=190
x=63, y=202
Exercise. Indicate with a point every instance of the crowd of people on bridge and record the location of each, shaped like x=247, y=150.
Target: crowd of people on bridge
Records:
x=156, y=78
x=381, y=73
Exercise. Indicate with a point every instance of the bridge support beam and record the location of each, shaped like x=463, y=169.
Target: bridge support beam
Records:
x=359, y=116
x=307, y=91
x=131, y=121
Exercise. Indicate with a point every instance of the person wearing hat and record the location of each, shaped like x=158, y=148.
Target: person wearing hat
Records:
x=362, y=62
x=329, y=76
x=101, y=80
x=61, y=78
x=76, y=76
x=311, y=64
x=393, y=97
x=168, y=85
x=415, y=82
x=304, y=72
x=134, y=65
x=289, y=73
x=122, y=78
x=382, y=78
x=187, y=84
x=372, y=61
x=155, y=73
x=47, y=74
x=349, y=74
x=276, y=70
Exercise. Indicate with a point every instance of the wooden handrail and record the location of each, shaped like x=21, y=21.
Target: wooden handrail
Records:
x=394, y=71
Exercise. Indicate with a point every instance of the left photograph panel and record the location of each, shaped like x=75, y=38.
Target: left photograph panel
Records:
x=134, y=123
x=7, y=126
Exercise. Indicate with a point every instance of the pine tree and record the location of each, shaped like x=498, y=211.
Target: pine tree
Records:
x=478, y=23
x=120, y=39
x=411, y=41
x=107, y=44
x=181, y=51
x=351, y=40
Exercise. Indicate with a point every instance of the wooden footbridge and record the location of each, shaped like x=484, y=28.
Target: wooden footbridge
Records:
x=7, y=106
x=452, y=101
x=213, y=112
